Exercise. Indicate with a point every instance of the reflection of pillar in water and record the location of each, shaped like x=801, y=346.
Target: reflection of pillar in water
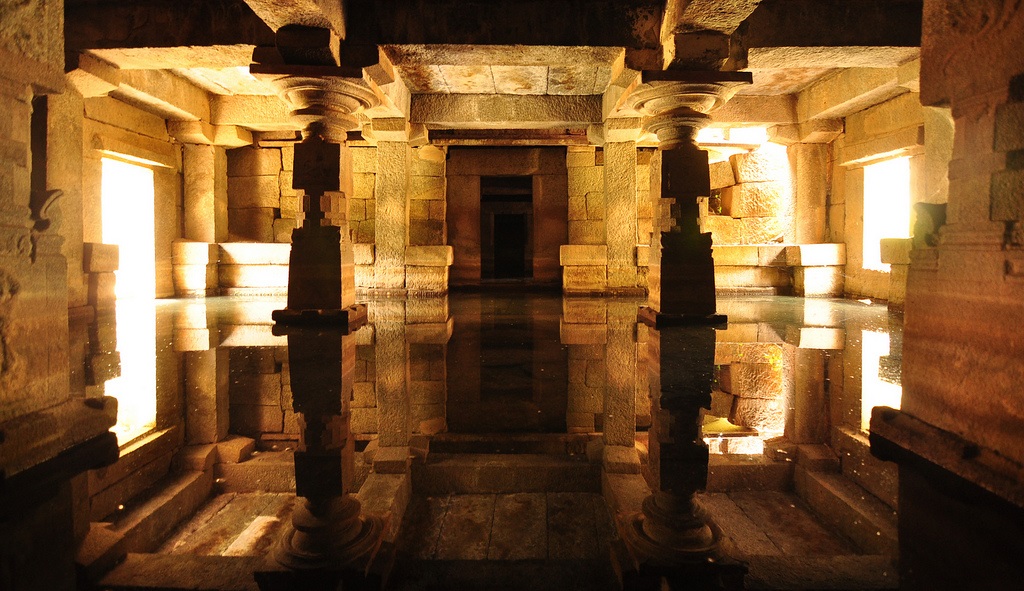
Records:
x=329, y=540
x=672, y=538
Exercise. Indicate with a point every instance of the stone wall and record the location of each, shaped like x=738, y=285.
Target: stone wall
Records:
x=584, y=258
x=262, y=205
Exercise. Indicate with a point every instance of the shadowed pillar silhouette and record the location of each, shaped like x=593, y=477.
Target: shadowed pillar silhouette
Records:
x=671, y=541
x=330, y=544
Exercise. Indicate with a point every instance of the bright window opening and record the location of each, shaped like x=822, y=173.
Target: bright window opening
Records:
x=877, y=389
x=127, y=220
x=886, y=208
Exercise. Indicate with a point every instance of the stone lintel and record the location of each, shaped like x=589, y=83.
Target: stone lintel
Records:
x=91, y=76
x=325, y=14
x=201, y=132
x=816, y=131
x=494, y=111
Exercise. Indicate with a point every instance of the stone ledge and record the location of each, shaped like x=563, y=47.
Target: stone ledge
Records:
x=583, y=255
x=254, y=253
x=31, y=439
x=428, y=256
x=816, y=255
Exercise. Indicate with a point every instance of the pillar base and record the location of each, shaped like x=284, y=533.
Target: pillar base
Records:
x=655, y=319
x=694, y=562
x=352, y=317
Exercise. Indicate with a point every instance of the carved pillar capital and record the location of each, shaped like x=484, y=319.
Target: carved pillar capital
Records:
x=324, y=100
x=677, y=104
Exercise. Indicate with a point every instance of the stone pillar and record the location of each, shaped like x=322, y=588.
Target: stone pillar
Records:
x=681, y=279
x=620, y=191
x=328, y=541
x=810, y=181
x=620, y=356
x=394, y=161
x=205, y=169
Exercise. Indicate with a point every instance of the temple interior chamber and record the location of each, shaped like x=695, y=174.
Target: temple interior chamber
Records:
x=503, y=294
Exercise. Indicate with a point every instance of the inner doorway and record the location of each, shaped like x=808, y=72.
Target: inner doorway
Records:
x=506, y=227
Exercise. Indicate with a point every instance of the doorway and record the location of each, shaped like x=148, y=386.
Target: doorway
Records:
x=127, y=206
x=506, y=227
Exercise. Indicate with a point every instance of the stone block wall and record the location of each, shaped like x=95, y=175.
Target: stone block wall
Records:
x=262, y=206
x=584, y=259
x=753, y=198
x=427, y=225
x=260, y=402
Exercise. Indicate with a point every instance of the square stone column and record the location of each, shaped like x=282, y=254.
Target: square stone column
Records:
x=394, y=162
x=620, y=190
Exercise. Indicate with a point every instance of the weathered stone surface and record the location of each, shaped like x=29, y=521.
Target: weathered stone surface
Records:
x=99, y=258
x=252, y=161
x=722, y=175
x=754, y=199
x=753, y=380
x=584, y=278
x=759, y=167
x=253, y=191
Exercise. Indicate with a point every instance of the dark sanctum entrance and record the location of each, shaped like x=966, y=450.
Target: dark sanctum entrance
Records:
x=506, y=227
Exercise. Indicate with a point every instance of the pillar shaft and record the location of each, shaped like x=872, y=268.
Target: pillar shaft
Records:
x=394, y=159
x=620, y=190
x=201, y=176
x=620, y=381
x=810, y=162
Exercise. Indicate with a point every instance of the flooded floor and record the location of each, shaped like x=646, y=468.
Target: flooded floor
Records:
x=512, y=412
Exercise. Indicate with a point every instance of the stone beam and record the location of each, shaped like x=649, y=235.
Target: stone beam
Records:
x=492, y=111
x=834, y=23
x=325, y=14
x=850, y=91
x=756, y=110
x=164, y=94
x=260, y=113
x=154, y=24
x=683, y=16
x=201, y=132
x=771, y=58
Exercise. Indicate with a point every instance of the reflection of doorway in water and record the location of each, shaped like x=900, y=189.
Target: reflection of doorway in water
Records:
x=507, y=370
x=506, y=227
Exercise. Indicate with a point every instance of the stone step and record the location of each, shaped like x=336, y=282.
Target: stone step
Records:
x=504, y=473
x=849, y=509
x=471, y=575
x=501, y=443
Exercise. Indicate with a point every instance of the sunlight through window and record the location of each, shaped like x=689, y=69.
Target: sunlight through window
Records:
x=127, y=218
x=875, y=390
x=886, y=207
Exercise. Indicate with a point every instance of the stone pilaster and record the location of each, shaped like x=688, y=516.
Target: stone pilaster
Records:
x=394, y=162
x=620, y=190
x=205, y=169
